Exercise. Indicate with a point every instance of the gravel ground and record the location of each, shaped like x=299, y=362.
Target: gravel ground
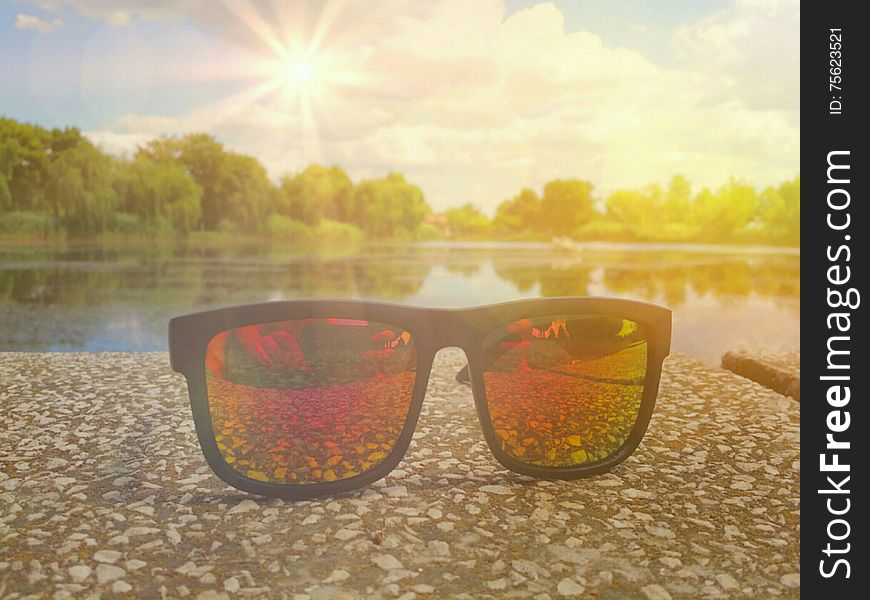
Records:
x=104, y=492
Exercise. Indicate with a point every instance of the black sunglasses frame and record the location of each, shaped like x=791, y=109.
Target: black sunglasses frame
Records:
x=431, y=329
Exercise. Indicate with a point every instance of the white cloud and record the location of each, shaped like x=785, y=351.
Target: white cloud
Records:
x=752, y=47
x=34, y=23
x=121, y=12
x=120, y=144
x=473, y=106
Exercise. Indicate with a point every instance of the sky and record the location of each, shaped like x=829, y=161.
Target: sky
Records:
x=472, y=101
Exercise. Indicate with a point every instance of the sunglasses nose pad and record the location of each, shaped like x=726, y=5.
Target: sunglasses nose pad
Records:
x=462, y=376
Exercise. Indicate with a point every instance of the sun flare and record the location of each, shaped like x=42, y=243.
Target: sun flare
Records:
x=301, y=75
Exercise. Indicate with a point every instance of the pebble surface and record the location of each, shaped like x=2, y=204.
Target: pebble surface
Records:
x=104, y=492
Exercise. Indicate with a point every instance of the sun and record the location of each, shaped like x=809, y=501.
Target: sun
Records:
x=301, y=75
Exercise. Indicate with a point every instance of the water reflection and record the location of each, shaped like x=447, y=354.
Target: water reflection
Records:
x=93, y=297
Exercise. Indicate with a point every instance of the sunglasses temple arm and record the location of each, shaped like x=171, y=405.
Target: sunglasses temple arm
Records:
x=462, y=375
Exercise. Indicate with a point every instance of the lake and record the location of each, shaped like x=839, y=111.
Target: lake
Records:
x=96, y=297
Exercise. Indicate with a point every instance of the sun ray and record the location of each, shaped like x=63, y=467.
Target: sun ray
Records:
x=310, y=135
x=327, y=18
x=209, y=115
x=250, y=17
x=291, y=24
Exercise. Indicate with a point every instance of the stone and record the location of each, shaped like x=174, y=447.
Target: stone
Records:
x=106, y=573
x=654, y=591
x=569, y=587
x=79, y=573
x=107, y=556
x=387, y=562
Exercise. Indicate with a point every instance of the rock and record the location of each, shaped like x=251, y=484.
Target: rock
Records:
x=345, y=534
x=79, y=573
x=423, y=588
x=55, y=463
x=395, y=491
x=106, y=573
x=387, y=562
x=727, y=582
x=499, y=490
x=311, y=519
x=336, y=576
x=791, y=580
x=107, y=556
x=244, y=506
x=232, y=585
x=662, y=532
x=497, y=584
x=654, y=591
x=569, y=587
x=439, y=548
x=134, y=531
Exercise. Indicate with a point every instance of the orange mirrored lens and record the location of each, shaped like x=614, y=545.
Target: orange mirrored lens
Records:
x=309, y=400
x=564, y=390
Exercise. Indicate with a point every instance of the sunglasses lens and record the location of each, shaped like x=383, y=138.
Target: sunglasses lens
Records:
x=564, y=390
x=309, y=400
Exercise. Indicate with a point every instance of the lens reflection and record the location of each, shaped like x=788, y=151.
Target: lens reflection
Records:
x=564, y=390
x=309, y=400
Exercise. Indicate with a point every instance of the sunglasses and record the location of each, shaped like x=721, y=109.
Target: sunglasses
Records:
x=299, y=399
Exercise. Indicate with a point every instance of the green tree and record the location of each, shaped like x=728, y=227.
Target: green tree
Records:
x=23, y=161
x=726, y=212
x=388, y=207
x=159, y=192
x=248, y=197
x=781, y=211
x=467, y=221
x=522, y=213
x=79, y=186
x=678, y=200
x=316, y=193
x=235, y=187
x=629, y=207
x=5, y=194
x=566, y=205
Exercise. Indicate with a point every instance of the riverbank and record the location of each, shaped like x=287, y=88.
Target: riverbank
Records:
x=103, y=489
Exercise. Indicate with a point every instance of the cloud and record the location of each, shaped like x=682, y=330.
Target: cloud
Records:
x=34, y=23
x=119, y=144
x=473, y=106
x=121, y=12
x=752, y=47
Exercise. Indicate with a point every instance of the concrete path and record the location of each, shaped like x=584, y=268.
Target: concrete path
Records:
x=104, y=492
x=779, y=371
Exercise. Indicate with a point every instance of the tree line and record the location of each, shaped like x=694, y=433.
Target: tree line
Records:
x=735, y=213
x=56, y=182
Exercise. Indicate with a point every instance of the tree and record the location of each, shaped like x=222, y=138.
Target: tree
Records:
x=159, y=192
x=522, y=213
x=629, y=207
x=678, y=201
x=467, y=221
x=5, y=194
x=726, y=212
x=316, y=193
x=79, y=186
x=388, y=207
x=235, y=187
x=781, y=211
x=247, y=194
x=23, y=161
x=566, y=205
